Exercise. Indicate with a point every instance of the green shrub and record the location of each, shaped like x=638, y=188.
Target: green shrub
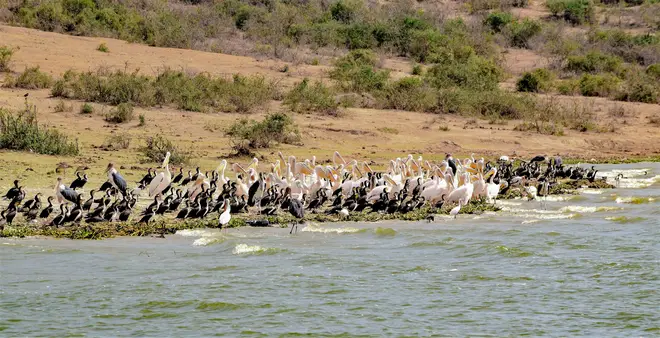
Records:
x=598, y=85
x=355, y=72
x=417, y=70
x=568, y=87
x=142, y=120
x=247, y=135
x=120, y=114
x=5, y=58
x=410, y=93
x=496, y=21
x=249, y=92
x=343, y=11
x=640, y=88
x=21, y=131
x=475, y=74
x=494, y=104
x=538, y=80
x=358, y=36
x=520, y=32
x=31, y=78
x=156, y=147
x=86, y=109
x=103, y=48
x=654, y=71
x=306, y=97
x=593, y=62
x=576, y=12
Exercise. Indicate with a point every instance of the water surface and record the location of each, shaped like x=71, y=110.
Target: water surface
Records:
x=583, y=265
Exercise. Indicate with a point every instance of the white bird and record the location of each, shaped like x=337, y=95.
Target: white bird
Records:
x=456, y=209
x=343, y=212
x=161, y=181
x=225, y=216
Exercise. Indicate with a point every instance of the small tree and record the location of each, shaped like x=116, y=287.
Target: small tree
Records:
x=247, y=135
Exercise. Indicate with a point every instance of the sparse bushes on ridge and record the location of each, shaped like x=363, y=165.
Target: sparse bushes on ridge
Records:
x=306, y=97
x=156, y=147
x=247, y=135
x=194, y=93
x=5, y=58
x=593, y=62
x=475, y=74
x=643, y=49
x=640, y=88
x=356, y=72
x=31, y=78
x=21, y=131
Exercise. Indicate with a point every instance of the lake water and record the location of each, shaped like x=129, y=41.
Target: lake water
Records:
x=586, y=265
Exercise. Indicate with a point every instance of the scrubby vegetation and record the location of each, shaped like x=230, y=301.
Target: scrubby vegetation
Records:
x=576, y=12
x=117, y=142
x=157, y=146
x=120, y=114
x=103, y=48
x=21, y=131
x=31, y=78
x=5, y=58
x=189, y=92
x=539, y=80
x=247, y=135
x=316, y=97
x=86, y=109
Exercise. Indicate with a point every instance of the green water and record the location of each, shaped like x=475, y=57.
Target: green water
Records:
x=550, y=268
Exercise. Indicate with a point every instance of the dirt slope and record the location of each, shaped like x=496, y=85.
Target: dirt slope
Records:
x=361, y=133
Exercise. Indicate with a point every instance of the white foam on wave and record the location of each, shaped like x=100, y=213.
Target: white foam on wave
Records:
x=208, y=240
x=244, y=249
x=536, y=211
x=591, y=191
x=508, y=202
x=193, y=232
x=324, y=230
x=556, y=198
x=635, y=183
x=531, y=221
x=635, y=200
x=587, y=209
x=625, y=172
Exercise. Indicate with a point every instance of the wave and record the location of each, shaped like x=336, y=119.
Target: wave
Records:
x=625, y=220
x=385, y=231
x=635, y=200
x=244, y=249
x=346, y=230
x=625, y=172
x=193, y=232
x=586, y=209
x=208, y=240
x=591, y=191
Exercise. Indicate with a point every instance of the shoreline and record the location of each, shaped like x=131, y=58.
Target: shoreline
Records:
x=162, y=227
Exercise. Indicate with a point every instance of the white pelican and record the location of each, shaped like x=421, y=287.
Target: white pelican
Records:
x=161, y=181
x=225, y=216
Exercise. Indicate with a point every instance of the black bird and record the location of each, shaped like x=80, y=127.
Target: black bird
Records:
x=13, y=192
x=88, y=204
x=125, y=214
x=187, y=179
x=48, y=209
x=197, y=173
x=79, y=182
x=537, y=158
x=105, y=186
x=178, y=177
x=183, y=213
x=147, y=178
x=10, y=213
x=451, y=163
x=59, y=219
x=148, y=215
x=30, y=203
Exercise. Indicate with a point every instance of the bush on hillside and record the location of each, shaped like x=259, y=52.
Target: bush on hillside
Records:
x=598, y=85
x=640, y=88
x=30, y=78
x=576, y=12
x=356, y=72
x=247, y=135
x=536, y=81
x=476, y=74
x=5, y=58
x=593, y=62
x=86, y=109
x=409, y=93
x=520, y=32
x=306, y=97
x=156, y=147
x=654, y=71
x=497, y=20
x=120, y=114
x=21, y=131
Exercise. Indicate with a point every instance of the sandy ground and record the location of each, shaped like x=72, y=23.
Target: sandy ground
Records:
x=363, y=134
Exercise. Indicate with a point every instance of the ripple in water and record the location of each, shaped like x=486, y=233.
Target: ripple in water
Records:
x=325, y=230
x=624, y=219
x=635, y=200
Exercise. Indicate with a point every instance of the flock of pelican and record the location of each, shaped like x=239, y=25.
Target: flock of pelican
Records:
x=293, y=186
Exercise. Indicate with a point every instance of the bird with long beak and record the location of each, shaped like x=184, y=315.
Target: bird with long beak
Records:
x=161, y=181
x=116, y=179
